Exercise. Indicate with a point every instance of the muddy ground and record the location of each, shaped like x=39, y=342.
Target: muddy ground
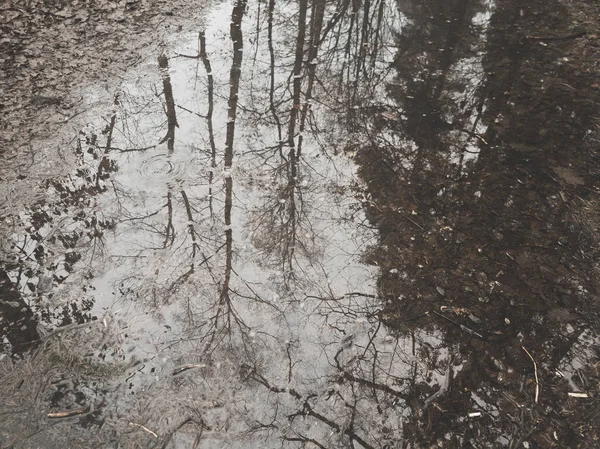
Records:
x=312, y=224
x=510, y=247
x=57, y=57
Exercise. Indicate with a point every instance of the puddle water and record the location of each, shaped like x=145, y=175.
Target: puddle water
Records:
x=312, y=225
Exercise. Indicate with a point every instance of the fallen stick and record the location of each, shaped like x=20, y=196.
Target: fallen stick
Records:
x=181, y=369
x=558, y=38
x=464, y=328
x=129, y=150
x=181, y=55
x=537, y=382
x=70, y=327
x=143, y=428
x=578, y=395
x=68, y=413
x=412, y=221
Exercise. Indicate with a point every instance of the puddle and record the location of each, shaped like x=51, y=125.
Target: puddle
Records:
x=311, y=225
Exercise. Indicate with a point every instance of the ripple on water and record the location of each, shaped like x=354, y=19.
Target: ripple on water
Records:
x=152, y=171
x=162, y=168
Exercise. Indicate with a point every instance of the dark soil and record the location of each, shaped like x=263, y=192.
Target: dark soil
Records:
x=501, y=253
x=49, y=49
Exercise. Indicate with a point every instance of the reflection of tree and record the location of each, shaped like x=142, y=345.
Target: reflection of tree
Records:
x=361, y=383
x=61, y=235
x=451, y=188
x=179, y=201
x=316, y=23
x=209, y=117
x=234, y=83
x=352, y=60
x=177, y=228
x=272, y=106
x=163, y=64
x=212, y=320
x=282, y=222
x=17, y=321
x=358, y=400
x=297, y=79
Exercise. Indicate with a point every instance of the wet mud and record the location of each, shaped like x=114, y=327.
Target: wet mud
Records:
x=494, y=248
x=320, y=224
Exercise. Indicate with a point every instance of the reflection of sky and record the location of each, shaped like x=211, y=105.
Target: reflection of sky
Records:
x=290, y=334
x=144, y=184
x=139, y=267
x=288, y=325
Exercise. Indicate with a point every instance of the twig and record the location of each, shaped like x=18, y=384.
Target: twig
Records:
x=68, y=413
x=129, y=150
x=412, y=221
x=180, y=55
x=537, y=382
x=191, y=112
x=474, y=134
x=463, y=327
x=558, y=38
x=187, y=367
x=74, y=115
x=183, y=423
x=143, y=428
x=578, y=395
x=69, y=327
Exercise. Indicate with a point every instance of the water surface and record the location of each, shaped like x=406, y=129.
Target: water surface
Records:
x=315, y=225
